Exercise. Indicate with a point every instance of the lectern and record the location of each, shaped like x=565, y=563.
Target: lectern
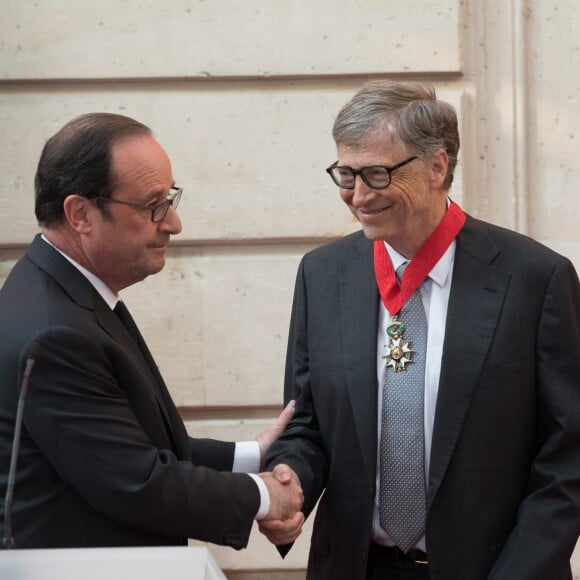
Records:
x=159, y=563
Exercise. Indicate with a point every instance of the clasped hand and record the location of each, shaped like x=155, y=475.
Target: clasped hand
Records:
x=283, y=523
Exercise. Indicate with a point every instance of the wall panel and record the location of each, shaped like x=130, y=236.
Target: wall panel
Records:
x=217, y=322
x=554, y=123
x=187, y=38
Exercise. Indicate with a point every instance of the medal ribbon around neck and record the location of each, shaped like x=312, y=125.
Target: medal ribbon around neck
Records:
x=399, y=351
x=393, y=296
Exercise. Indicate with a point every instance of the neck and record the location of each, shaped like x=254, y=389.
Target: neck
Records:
x=69, y=242
x=412, y=241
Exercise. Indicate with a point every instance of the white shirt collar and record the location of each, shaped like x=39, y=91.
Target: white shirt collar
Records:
x=439, y=272
x=442, y=268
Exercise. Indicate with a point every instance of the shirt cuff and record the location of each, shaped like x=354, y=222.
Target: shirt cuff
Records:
x=264, y=497
x=246, y=457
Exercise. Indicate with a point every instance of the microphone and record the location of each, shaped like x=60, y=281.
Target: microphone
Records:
x=32, y=353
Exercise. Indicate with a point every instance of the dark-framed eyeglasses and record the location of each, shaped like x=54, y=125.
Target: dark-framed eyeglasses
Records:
x=375, y=176
x=158, y=210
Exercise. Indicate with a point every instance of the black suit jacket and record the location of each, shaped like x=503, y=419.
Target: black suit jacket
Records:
x=504, y=481
x=105, y=459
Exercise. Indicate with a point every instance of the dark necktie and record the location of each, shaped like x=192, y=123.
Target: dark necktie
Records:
x=125, y=316
x=402, y=497
x=126, y=319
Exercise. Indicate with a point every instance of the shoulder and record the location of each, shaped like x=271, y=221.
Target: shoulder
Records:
x=507, y=248
x=340, y=249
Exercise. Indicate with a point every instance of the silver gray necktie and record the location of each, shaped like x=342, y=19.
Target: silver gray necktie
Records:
x=402, y=497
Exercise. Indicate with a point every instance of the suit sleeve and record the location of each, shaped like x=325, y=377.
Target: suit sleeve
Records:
x=211, y=453
x=80, y=418
x=548, y=521
x=301, y=445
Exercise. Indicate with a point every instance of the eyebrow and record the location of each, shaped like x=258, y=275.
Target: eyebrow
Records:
x=159, y=193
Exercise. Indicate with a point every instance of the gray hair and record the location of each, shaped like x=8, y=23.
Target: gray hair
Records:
x=408, y=112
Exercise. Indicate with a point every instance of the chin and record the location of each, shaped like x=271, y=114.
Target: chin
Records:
x=156, y=268
x=375, y=234
x=152, y=267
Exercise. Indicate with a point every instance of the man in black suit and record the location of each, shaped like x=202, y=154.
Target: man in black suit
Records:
x=105, y=459
x=477, y=477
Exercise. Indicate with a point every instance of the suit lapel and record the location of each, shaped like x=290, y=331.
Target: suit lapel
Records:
x=359, y=311
x=82, y=293
x=143, y=359
x=475, y=302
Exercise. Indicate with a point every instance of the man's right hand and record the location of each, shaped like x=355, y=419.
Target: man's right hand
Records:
x=286, y=496
x=284, y=521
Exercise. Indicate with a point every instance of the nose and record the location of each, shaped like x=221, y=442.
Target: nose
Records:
x=172, y=222
x=362, y=194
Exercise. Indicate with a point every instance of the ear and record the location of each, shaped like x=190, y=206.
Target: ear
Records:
x=78, y=212
x=439, y=164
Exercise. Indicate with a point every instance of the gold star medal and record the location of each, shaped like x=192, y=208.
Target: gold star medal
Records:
x=399, y=351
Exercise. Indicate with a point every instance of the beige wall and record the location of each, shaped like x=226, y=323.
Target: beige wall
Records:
x=242, y=95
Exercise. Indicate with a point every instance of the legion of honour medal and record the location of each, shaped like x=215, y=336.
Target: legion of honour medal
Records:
x=399, y=351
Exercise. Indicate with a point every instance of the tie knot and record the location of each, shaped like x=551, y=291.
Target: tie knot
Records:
x=125, y=317
x=400, y=270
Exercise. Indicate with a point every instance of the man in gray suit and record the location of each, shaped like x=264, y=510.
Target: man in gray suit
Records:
x=435, y=363
x=105, y=459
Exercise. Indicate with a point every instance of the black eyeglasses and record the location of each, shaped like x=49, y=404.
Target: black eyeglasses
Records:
x=158, y=210
x=375, y=176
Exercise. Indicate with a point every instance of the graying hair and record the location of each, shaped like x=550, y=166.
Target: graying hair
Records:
x=408, y=112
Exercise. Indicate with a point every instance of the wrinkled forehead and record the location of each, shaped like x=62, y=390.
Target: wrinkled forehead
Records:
x=140, y=162
x=376, y=149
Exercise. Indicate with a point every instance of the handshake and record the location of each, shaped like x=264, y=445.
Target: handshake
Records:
x=283, y=523
x=284, y=520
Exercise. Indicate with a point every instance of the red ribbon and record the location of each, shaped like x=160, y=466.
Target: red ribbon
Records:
x=393, y=296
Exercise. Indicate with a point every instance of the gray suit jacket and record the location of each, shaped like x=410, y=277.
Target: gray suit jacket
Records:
x=504, y=481
x=105, y=459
